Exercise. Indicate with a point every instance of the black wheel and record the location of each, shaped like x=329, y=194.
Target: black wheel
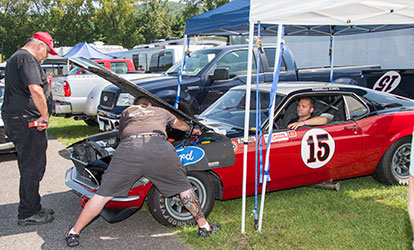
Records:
x=171, y=211
x=91, y=122
x=393, y=169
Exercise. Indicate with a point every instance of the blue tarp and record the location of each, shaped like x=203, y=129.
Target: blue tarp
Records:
x=87, y=51
x=233, y=19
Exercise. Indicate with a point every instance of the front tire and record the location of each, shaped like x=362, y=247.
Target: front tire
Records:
x=393, y=169
x=171, y=212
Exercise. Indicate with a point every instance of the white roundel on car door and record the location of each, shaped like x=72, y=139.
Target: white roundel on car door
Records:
x=317, y=148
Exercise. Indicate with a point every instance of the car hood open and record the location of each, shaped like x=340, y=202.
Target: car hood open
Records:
x=131, y=88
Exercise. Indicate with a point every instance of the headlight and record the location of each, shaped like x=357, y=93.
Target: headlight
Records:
x=125, y=99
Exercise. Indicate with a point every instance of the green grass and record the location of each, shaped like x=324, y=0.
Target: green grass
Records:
x=363, y=214
x=69, y=131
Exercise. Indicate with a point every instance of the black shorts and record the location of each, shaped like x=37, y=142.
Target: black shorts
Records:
x=152, y=157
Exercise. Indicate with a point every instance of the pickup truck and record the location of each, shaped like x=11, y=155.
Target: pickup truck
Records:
x=209, y=73
x=77, y=93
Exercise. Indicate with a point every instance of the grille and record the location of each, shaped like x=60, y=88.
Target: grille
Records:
x=108, y=99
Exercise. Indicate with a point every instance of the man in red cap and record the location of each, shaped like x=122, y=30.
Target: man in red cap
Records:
x=25, y=113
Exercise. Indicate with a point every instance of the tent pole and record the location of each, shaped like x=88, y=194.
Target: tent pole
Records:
x=180, y=76
x=271, y=115
x=246, y=122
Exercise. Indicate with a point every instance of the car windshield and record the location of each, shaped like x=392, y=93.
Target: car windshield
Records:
x=195, y=63
x=230, y=108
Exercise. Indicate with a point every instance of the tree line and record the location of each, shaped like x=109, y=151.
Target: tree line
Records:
x=116, y=22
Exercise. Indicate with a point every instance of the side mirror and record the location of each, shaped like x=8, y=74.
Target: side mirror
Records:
x=220, y=74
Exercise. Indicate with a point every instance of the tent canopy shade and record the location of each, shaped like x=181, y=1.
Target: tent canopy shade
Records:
x=302, y=17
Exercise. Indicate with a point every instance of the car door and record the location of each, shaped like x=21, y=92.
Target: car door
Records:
x=315, y=154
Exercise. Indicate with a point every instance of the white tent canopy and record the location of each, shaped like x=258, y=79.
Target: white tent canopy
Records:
x=332, y=12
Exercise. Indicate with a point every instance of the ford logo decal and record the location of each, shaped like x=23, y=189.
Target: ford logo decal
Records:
x=105, y=98
x=190, y=155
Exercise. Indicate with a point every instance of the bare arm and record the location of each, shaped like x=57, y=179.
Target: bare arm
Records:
x=183, y=126
x=39, y=101
x=319, y=120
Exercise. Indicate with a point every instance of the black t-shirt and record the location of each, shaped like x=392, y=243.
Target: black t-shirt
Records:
x=23, y=69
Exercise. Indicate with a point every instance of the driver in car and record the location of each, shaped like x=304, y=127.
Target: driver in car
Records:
x=304, y=117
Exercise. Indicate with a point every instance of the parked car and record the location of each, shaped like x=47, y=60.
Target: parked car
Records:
x=209, y=73
x=347, y=146
x=6, y=146
x=77, y=94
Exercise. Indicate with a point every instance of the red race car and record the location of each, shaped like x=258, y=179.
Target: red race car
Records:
x=367, y=132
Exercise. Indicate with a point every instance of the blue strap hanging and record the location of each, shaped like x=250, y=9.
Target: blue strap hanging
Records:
x=259, y=151
x=180, y=75
x=273, y=92
x=330, y=56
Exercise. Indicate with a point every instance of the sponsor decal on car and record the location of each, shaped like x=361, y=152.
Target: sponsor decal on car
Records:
x=292, y=133
x=190, y=155
x=250, y=140
x=317, y=148
x=325, y=88
x=388, y=82
x=235, y=145
x=276, y=137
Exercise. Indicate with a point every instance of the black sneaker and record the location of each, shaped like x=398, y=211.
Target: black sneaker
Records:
x=36, y=219
x=46, y=211
x=202, y=232
x=72, y=240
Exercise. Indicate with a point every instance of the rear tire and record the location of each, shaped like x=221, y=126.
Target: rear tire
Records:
x=393, y=169
x=171, y=212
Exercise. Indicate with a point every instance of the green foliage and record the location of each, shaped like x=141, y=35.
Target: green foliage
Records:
x=154, y=21
x=197, y=7
x=120, y=22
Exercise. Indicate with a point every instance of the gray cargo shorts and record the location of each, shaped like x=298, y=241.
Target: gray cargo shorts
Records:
x=152, y=157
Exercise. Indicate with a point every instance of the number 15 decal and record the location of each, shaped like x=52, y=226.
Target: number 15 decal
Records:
x=317, y=148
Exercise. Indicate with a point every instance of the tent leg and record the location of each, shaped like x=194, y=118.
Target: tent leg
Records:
x=246, y=123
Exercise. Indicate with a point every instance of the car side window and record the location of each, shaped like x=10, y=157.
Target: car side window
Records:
x=119, y=67
x=355, y=108
x=330, y=106
x=270, y=56
x=236, y=63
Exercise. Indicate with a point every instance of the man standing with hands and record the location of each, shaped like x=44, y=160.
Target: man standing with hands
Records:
x=25, y=113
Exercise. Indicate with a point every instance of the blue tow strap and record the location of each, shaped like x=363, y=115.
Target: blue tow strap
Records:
x=273, y=92
x=180, y=75
x=259, y=158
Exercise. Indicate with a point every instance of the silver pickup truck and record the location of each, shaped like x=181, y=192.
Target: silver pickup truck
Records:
x=78, y=95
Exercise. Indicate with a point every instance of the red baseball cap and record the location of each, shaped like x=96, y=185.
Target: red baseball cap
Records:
x=46, y=38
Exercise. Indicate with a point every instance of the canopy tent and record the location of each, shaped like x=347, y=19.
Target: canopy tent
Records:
x=303, y=17
x=87, y=51
x=300, y=17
